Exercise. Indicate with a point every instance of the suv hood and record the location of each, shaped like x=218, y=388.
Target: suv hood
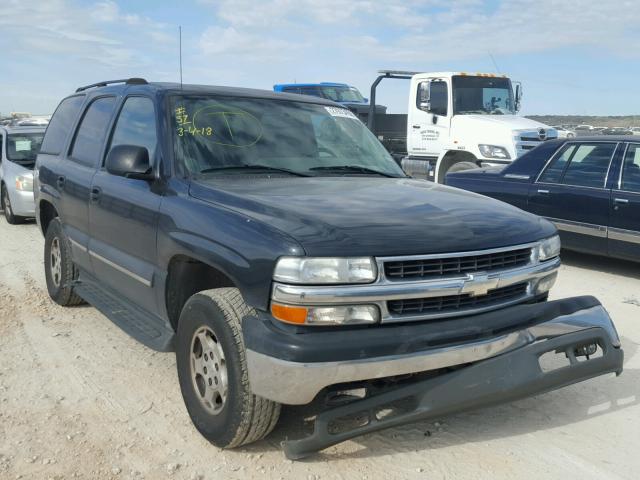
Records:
x=373, y=216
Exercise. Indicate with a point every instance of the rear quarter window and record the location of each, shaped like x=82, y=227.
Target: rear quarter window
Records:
x=61, y=124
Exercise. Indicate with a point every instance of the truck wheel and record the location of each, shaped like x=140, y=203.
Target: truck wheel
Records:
x=60, y=272
x=8, y=211
x=460, y=166
x=212, y=370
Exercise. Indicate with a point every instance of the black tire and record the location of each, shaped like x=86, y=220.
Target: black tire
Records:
x=460, y=166
x=60, y=272
x=242, y=416
x=8, y=211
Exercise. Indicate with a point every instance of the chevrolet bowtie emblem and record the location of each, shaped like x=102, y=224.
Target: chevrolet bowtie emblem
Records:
x=477, y=284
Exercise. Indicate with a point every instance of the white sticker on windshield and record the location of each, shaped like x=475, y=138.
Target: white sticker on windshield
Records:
x=340, y=112
x=23, y=145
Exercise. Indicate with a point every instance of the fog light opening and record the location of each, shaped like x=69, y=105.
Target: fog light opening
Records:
x=587, y=352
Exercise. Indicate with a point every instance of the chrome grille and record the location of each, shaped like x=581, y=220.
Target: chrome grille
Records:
x=441, y=267
x=451, y=303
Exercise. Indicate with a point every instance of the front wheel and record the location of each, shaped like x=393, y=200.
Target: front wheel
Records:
x=212, y=370
x=461, y=166
x=11, y=218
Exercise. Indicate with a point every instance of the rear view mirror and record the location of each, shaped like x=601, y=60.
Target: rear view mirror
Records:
x=130, y=161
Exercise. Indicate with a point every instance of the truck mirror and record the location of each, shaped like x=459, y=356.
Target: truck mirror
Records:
x=518, y=96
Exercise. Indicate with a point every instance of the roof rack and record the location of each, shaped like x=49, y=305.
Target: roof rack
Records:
x=128, y=81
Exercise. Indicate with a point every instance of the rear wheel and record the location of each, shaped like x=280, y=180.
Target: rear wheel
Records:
x=212, y=370
x=60, y=272
x=8, y=210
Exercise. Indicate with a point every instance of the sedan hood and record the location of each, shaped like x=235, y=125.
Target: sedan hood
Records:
x=346, y=216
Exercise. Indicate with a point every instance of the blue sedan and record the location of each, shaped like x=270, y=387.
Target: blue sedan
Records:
x=588, y=186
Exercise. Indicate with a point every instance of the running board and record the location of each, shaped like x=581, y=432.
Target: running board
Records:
x=500, y=379
x=138, y=323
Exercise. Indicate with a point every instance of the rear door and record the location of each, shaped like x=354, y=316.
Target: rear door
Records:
x=124, y=212
x=624, y=226
x=571, y=192
x=76, y=172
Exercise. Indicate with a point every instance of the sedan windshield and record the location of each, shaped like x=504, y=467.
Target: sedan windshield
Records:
x=23, y=148
x=232, y=136
x=482, y=95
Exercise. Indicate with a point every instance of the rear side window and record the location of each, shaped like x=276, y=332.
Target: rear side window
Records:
x=136, y=125
x=631, y=170
x=553, y=173
x=589, y=165
x=60, y=124
x=92, y=131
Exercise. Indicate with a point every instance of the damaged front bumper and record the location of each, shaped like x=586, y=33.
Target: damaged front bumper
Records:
x=491, y=369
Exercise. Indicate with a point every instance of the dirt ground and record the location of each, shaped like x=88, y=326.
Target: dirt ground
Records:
x=80, y=399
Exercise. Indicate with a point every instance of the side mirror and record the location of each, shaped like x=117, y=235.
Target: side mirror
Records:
x=518, y=96
x=130, y=161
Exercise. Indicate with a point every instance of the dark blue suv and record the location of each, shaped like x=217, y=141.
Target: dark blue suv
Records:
x=274, y=245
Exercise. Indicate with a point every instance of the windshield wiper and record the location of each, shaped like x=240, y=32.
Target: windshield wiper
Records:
x=352, y=168
x=266, y=168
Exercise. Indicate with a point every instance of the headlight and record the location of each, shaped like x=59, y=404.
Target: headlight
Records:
x=321, y=270
x=549, y=248
x=24, y=183
x=493, y=151
x=330, y=315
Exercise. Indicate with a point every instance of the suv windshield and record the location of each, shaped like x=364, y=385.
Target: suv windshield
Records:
x=483, y=95
x=230, y=136
x=342, y=94
x=23, y=148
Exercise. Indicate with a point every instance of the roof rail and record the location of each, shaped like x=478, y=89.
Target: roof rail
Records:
x=128, y=81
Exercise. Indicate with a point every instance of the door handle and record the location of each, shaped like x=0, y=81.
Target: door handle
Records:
x=416, y=126
x=60, y=182
x=620, y=200
x=543, y=192
x=94, y=196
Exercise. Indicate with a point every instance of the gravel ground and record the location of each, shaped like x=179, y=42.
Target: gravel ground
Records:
x=80, y=399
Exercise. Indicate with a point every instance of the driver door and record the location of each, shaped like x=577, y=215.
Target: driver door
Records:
x=431, y=119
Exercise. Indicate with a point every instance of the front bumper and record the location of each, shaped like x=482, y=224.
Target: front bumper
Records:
x=22, y=203
x=292, y=368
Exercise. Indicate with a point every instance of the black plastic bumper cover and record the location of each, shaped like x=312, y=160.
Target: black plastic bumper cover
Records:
x=500, y=379
x=330, y=344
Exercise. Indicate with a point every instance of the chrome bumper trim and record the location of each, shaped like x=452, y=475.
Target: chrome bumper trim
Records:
x=298, y=383
x=381, y=292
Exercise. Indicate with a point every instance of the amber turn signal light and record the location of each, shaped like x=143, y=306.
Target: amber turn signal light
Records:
x=289, y=314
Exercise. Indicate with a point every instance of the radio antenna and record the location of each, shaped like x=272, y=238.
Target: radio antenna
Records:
x=180, y=48
x=493, y=60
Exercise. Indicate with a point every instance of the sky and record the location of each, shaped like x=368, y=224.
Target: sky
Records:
x=577, y=57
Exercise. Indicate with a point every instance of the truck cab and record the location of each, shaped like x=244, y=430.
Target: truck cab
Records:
x=458, y=120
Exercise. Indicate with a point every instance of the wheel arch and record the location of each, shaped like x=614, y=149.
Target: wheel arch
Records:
x=186, y=276
x=450, y=158
x=46, y=213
